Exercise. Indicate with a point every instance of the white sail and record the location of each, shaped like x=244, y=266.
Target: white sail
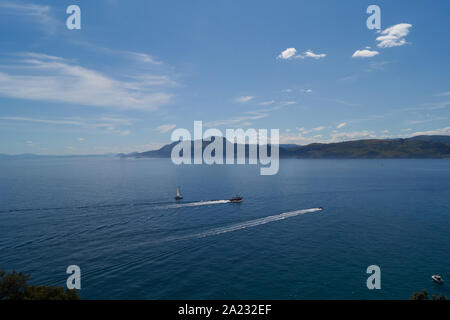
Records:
x=178, y=192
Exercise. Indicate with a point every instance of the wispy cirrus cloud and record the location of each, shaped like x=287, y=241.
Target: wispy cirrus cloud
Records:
x=131, y=55
x=166, y=128
x=37, y=13
x=236, y=121
x=43, y=77
x=414, y=122
x=244, y=99
x=245, y=119
x=109, y=124
x=310, y=54
x=307, y=131
x=267, y=103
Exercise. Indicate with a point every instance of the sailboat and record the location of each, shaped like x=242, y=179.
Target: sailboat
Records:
x=178, y=196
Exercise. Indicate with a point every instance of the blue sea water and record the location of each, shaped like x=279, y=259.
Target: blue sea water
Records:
x=117, y=220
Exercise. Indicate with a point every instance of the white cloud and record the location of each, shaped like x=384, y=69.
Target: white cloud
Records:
x=40, y=14
x=131, y=55
x=356, y=135
x=267, y=103
x=287, y=103
x=310, y=54
x=80, y=139
x=250, y=115
x=166, y=128
x=109, y=124
x=394, y=36
x=364, y=53
x=238, y=120
x=307, y=90
x=306, y=131
x=244, y=99
x=442, y=131
x=48, y=78
x=341, y=125
x=29, y=142
x=143, y=57
x=291, y=53
x=287, y=54
x=299, y=138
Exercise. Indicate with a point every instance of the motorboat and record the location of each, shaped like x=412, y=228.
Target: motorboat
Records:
x=437, y=278
x=236, y=199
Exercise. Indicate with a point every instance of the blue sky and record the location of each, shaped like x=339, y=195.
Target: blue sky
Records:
x=138, y=69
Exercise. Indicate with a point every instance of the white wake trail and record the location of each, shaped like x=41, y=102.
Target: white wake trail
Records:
x=192, y=204
x=201, y=203
x=243, y=225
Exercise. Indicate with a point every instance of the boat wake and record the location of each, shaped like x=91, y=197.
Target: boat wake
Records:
x=193, y=204
x=242, y=225
x=151, y=205
x=212, y=232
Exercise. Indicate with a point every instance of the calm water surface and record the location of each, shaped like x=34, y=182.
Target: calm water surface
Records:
x=116, y=219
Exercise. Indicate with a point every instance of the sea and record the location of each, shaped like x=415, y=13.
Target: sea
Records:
x=118, y=221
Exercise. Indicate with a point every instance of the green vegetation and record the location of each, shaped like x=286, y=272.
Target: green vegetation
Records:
x=13, y=286
x=370, y=149
x=423, y=295
x=420, y=147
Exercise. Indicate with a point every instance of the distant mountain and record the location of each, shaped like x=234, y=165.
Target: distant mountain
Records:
x=415, y=147
x=31, y=156
x=444, y=139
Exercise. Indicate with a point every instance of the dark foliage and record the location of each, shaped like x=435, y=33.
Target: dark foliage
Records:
x=13, y=286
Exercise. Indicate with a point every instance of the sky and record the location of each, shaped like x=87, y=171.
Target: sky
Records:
x=136, y=70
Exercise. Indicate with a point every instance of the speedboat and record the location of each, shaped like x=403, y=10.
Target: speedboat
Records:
x=178, y=196
x=236, y=199
x=437, y=278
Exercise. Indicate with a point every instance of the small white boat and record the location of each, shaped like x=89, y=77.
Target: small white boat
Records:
x=437, y=278
x=178, y=196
